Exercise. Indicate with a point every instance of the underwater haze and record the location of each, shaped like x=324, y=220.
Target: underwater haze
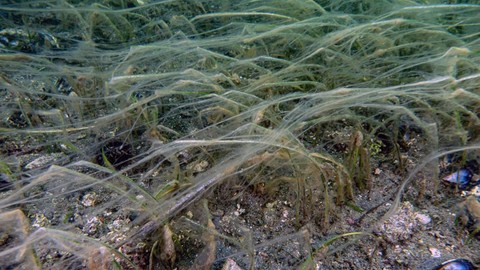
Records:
x=239, y=134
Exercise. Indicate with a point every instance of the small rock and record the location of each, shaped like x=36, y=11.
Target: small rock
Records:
x=231, y=265
x=200, y=166
x=239, y=210
x=119, y=225
x=89, y=199
x=92, y=225
x=218, y=213
x=435, y=252
x=40, y=221
x=401, y=226
x=423, y=218
x=41, y=161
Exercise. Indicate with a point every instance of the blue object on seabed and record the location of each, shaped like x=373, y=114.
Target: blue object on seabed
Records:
x=462, y=177
x=456, y=264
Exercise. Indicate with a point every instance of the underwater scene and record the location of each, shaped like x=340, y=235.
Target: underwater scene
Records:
x=240, y=134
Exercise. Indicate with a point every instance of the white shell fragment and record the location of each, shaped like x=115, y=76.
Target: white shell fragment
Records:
x=423, y=218
x=435, y=252
x=231, y=265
